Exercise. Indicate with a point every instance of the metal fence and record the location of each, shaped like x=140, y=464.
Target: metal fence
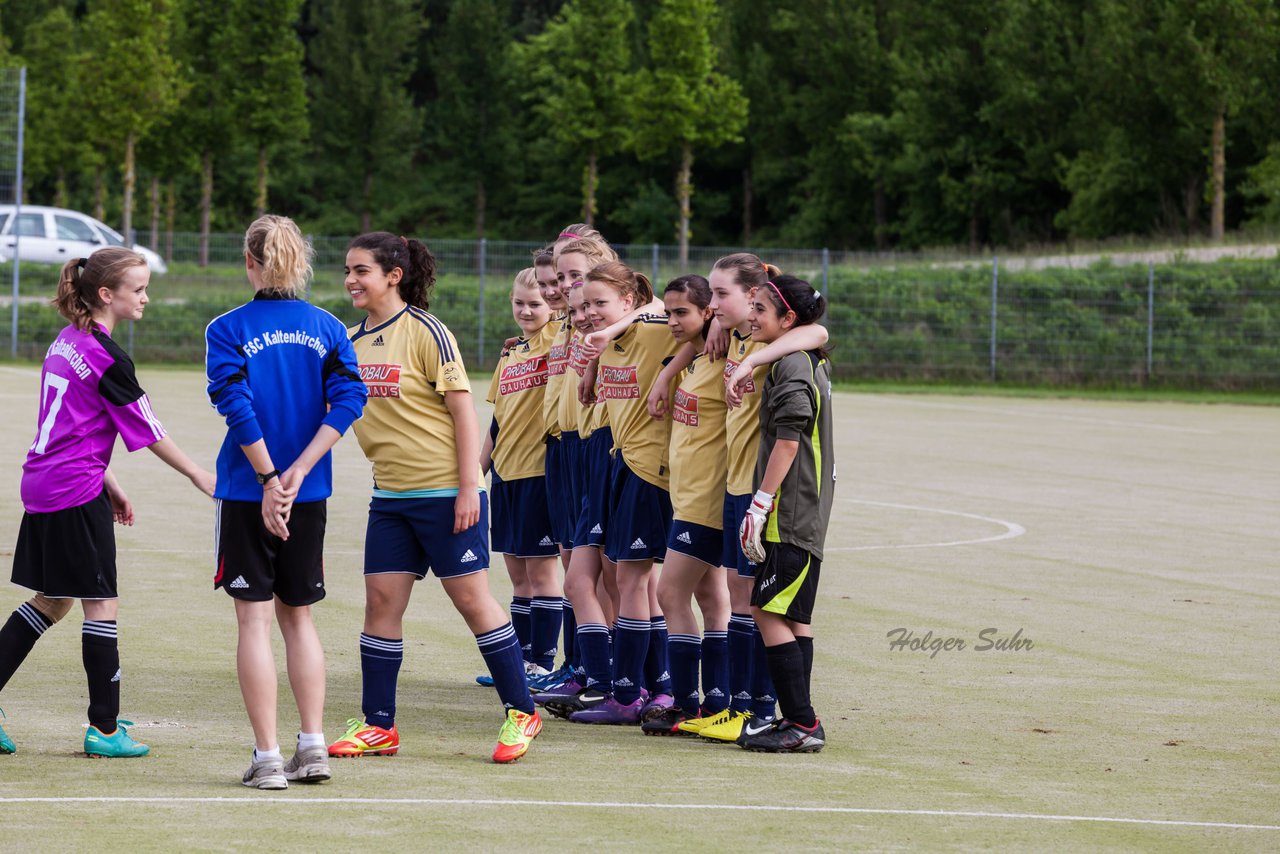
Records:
x=891, y=317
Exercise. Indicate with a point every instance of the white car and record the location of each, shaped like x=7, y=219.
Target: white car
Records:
x=56, y=235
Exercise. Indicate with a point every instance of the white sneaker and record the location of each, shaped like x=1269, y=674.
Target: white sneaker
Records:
x=308, y=766
x=266, y=774
x=532, y=670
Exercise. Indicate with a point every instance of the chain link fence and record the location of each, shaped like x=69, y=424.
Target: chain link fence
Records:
x=891, y=317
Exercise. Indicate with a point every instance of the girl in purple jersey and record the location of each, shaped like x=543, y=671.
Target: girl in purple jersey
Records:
x=66, y=548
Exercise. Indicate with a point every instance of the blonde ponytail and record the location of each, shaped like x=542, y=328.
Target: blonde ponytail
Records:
x=276, y=245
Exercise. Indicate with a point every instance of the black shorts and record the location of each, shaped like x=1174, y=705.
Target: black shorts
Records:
x=787, y=582
x=255, y=565
x=68, y=554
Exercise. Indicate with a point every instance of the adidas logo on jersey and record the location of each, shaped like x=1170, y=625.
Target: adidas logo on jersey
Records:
x=638, y=544
x=617, y=348
x=377, y=342
x=546, y=541
x=239, y=583
x=685, y=538
x=597, y=529
x=469, y=557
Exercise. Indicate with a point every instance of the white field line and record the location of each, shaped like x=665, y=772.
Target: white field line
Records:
x=1011, y=529
x=1054, y=416
x=494, y=802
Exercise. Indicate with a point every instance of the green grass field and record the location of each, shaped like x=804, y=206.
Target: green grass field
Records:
x=1133, y=543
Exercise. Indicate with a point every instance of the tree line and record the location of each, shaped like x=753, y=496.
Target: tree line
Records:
x=862, y=124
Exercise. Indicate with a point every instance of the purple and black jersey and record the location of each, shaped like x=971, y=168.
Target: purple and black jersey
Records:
x=89, y=393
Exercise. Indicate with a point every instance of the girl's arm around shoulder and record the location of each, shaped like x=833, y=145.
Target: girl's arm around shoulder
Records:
x=795, y=340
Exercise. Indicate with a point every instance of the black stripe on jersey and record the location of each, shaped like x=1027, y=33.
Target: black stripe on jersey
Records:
x=649, y=317
x=438, y=332
x=118, y=384
x=333, y=365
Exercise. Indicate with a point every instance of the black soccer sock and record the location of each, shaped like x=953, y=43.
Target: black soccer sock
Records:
x=806, y=649
x=786, y=668
x=101, y=656
x=19, y=635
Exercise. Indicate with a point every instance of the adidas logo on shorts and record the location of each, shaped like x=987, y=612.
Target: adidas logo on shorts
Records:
x=469, y=557
x=546, y=541
x=377, y=342
x=685, y=538
x=116, y=678
x=239, y=583
x=597, y=529
x=638, y=544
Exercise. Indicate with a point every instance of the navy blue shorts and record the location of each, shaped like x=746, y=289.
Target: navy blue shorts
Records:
x=564, y=516
x=552, y=484
x=640, y=514
x=735, y=507
x=593, y=482
x=521, y=526
x=416, y=535
x=697, y=541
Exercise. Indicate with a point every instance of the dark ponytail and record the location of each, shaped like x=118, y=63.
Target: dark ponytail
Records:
x=788, y=293
x=417, y=264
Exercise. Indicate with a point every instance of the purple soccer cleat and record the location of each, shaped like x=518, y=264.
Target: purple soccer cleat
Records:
x=656, y=706
x=610, y=712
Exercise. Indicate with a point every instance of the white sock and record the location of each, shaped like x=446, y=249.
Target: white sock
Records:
x=310, y=739
x=273, y=753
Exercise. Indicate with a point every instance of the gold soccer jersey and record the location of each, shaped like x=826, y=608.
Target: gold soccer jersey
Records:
x=557, y=363
x=516, y=392
x=567, y=402
x=628, y=367
x=407, y=365
x=698, y=465
x=743, y=424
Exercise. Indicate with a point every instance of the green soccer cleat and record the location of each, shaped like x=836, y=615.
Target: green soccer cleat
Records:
x=117, y=745
x=6, y=743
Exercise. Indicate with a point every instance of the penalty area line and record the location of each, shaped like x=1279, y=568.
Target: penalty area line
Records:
x=496, y=802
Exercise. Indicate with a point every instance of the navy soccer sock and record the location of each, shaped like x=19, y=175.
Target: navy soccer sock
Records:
x=739, y=646
x=593, y=647
x=101, y=655
x=570, y=635
x=380, y=660
x=544, y=629
x=657, y=662
x=786, y=665
x=501, y=651
x=715, y=672
x=520, y=619
x=685, y=652
x=18, y=637
x=762, y=696
x=630, y=646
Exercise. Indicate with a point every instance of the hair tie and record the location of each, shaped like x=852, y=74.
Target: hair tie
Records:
x=781, y=297
x=81, y=262
x=405, y=241
x=568, y=234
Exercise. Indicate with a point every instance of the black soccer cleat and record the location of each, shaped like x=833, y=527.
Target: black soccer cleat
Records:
x=784, y=736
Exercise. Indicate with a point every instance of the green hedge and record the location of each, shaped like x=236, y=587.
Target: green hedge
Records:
x=1215, y=326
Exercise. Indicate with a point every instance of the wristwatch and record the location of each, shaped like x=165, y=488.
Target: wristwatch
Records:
x=263, y=478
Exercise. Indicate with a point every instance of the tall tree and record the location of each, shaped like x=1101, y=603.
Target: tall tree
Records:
x=55, y=62
x=204, y=42
x=135, y=80
x=578, y=67
x=473, y=115
x=681, y=101
x=269, y=95
x=366, y=126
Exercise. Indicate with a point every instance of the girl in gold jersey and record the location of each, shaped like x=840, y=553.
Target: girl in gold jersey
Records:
x=639, y=503
x=428, y=512
x=695, y=543
x=733, y=280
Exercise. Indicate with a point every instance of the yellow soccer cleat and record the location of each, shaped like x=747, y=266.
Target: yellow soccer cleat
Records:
x=362, y=739
x=728, y=730
x=517, y=733
x=694, y=726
